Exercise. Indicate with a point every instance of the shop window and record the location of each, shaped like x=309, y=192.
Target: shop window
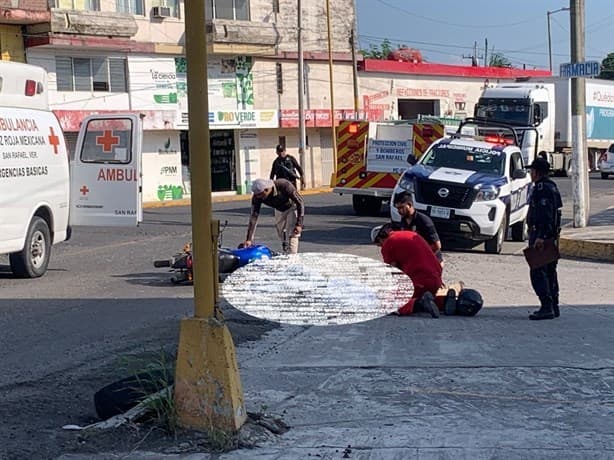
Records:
x=228, y=9
x=130, y=7
x=91, y=74
x=84, y=5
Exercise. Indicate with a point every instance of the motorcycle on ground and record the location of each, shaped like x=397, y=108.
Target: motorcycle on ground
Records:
x=229, y=260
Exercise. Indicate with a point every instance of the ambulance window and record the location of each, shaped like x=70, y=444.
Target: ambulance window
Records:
x=107, y=141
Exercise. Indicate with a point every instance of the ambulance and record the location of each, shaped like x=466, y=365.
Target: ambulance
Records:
x=42, y=195
x=371, y=156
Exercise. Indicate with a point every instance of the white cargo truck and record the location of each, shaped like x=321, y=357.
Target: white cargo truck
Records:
x=546, y=106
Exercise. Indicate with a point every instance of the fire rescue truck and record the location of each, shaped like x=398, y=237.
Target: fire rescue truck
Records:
x=372, y=155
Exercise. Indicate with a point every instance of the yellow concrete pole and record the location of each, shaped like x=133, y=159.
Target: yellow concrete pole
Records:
x=208, y=393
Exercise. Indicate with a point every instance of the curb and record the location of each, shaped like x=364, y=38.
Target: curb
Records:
x=586, y=249
x=223, y=199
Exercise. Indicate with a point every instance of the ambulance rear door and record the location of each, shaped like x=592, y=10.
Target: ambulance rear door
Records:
x=105, y=187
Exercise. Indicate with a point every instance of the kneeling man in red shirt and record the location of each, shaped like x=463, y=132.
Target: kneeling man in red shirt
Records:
x=410, y=253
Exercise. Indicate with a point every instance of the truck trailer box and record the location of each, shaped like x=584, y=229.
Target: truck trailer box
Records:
x=599, y=113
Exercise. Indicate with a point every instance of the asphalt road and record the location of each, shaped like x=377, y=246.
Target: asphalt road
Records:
x=63, y=335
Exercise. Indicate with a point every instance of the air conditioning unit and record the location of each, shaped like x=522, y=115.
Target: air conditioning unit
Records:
x=161, y=12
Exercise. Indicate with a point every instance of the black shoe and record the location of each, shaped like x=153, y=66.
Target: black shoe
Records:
x=542, y=313
x=449, y=305
x=429, y=305
x=556, y=310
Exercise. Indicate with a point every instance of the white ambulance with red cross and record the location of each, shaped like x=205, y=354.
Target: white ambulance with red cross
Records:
x=41, y=194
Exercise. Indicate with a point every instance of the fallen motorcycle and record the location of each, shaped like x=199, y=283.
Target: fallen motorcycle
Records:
x=228, y=261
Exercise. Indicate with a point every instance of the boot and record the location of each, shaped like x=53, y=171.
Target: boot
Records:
x=428, y=305
x=555, y=306
x=545, y=311
x=449, y=305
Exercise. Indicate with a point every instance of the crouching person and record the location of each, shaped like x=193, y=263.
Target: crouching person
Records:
x=410, y=253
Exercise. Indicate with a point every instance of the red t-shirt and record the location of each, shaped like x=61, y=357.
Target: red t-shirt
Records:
x=411, y=253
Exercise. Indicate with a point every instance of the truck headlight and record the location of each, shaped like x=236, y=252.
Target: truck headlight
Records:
x=407, y=184
x=487, y=193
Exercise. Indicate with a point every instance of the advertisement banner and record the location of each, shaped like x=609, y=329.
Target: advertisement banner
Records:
x=320, y=118
x=235, y=119
x=153, y=83
x=599, y=123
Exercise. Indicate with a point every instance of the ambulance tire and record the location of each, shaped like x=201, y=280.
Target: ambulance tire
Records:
x=366, y=205
x=495, y=244
x=32, y=260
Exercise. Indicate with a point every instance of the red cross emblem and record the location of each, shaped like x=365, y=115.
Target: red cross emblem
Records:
x=107, y=141
x=53, y=140
x=84, y=190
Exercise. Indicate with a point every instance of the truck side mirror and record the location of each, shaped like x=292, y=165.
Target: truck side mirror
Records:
x=519, y=174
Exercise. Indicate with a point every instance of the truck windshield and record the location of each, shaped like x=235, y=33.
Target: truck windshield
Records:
x=466, y=157
x=515, y=111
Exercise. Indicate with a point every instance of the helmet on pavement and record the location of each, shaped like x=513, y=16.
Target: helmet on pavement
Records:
x=469, y=302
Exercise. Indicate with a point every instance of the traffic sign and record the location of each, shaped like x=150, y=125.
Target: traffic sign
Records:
x=580, y=69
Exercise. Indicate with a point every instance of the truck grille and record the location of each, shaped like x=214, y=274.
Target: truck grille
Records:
x=459, y=196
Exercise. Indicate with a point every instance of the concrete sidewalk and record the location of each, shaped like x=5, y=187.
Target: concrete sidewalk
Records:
x=594, y=242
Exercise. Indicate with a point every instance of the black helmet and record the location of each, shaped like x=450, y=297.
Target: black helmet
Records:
x=469, y=302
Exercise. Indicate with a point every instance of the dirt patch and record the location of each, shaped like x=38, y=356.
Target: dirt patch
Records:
x=34, y=412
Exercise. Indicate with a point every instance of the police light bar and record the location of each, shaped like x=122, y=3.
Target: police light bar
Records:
x=499, y=140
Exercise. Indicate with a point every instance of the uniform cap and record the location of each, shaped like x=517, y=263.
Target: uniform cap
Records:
x=540, y=165
x=259, y=185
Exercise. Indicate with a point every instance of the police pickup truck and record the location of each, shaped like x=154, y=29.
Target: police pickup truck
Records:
x=473, y=188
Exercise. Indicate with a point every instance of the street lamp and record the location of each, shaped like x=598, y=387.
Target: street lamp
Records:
x=549, y=35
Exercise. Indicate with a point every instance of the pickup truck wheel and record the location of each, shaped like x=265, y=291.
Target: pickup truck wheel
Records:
x=604, y=175
x=32, y=260
x=495, y=244
x=366, y=205
x=520, y=231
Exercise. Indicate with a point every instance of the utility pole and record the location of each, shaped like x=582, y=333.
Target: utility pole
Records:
x=301, y=90
x=579, y=172
x=354, y=73
x=331, y=81
x=485, y=52
x=207, y=390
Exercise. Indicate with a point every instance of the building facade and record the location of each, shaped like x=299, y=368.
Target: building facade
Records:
x=128, y=56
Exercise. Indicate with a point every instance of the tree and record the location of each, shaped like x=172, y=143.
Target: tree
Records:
x=607, y=67
x=380, y=51
x=499, y=60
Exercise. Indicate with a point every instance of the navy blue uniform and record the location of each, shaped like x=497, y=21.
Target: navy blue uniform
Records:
x=544, y=221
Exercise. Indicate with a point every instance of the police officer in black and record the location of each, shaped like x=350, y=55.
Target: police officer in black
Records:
x=544, y=221
x=417, y=222
x=286, y=167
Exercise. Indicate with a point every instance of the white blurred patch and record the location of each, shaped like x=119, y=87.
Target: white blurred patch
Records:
x=317, y=289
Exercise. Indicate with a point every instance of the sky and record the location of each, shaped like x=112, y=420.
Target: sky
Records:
x=446, y=30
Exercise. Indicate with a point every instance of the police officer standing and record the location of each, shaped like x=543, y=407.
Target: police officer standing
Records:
x=544, y=221
x=286, y=167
